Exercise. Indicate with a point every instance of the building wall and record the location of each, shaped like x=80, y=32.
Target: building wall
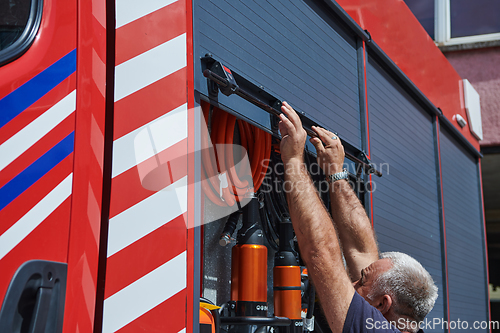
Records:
x=482, y=68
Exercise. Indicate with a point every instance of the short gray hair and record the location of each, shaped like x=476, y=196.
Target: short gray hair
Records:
x=410, y=286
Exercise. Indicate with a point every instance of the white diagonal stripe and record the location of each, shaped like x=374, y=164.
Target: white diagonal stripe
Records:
x=130, y=10
x=150, y=66
x=34, y=131
x=147, y=216
x=144, y=294
x=136, y=147
x=36, y=215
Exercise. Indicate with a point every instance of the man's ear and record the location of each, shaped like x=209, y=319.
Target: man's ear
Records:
x=384, y=304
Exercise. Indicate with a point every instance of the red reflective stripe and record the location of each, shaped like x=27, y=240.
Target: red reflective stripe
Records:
x=444, y=220
x=366, y=104
x=145, y=255
x=168, y=316
x=149, y=103
x=149, y=31
x=127, y=189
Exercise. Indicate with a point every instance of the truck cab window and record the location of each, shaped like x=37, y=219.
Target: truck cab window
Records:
x=19, y=22
x=13, y=19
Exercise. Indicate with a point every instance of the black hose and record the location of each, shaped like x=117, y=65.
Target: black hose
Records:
x=229, y=228
x=266, y=229
x=271, y=212
x=312, y=298
x=278, y=196
x=215, y=313
x=271, y=209
x=271, y=221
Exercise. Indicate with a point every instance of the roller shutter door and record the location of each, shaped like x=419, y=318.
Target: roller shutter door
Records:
x=291, y=48
x=464, y=233
x=405, y=200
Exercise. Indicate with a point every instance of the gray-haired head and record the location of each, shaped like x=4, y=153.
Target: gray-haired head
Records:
x=410, y=286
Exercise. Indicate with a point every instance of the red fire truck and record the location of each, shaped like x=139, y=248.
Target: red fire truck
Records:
x=138, y=140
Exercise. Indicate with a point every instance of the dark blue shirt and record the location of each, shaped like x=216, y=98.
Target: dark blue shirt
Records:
x=364, y=318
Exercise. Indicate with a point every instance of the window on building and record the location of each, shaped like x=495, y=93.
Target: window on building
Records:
x=478, y=17
x=453, y=22
x=19, y=22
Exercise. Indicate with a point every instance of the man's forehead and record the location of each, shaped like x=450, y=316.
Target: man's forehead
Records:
x=380, y=265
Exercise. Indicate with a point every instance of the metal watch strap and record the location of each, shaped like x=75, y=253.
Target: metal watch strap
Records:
x=337, y=176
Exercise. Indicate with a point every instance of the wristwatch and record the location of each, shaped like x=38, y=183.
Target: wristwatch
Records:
x=337, y=176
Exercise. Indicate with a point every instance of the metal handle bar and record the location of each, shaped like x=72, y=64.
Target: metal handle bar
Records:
x=264, y=106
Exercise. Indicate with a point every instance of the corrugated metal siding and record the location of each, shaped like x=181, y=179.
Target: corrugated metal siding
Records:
x=297, y=54
x=405, y=199
x=464, y=233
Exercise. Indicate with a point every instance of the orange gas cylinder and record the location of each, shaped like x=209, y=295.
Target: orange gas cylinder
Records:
x=249, y=266
x=252, y=273
x=287, y=280
x=287, y=293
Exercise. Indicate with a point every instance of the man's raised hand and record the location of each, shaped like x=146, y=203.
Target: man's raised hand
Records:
x=293, y=135
x=329, y=150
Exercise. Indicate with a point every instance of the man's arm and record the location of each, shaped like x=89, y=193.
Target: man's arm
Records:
x=355, y=231
x=316, y=235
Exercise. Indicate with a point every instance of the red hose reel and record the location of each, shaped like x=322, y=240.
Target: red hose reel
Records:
x=229, y=182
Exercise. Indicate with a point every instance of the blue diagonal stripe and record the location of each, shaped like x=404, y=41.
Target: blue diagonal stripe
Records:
x=30, y=92
x=36, y=170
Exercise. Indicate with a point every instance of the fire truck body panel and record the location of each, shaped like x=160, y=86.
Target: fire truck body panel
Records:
x=100, y=140
x=148, y=217
x=89, y=189
x=37, y=103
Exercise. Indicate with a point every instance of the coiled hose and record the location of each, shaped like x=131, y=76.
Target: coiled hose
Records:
x=219, y=163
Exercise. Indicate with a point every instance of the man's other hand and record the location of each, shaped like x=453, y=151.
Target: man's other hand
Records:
x=293, y=135
x=329, y=150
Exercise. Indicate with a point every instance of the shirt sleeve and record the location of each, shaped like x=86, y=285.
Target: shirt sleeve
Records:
x=364, y=318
